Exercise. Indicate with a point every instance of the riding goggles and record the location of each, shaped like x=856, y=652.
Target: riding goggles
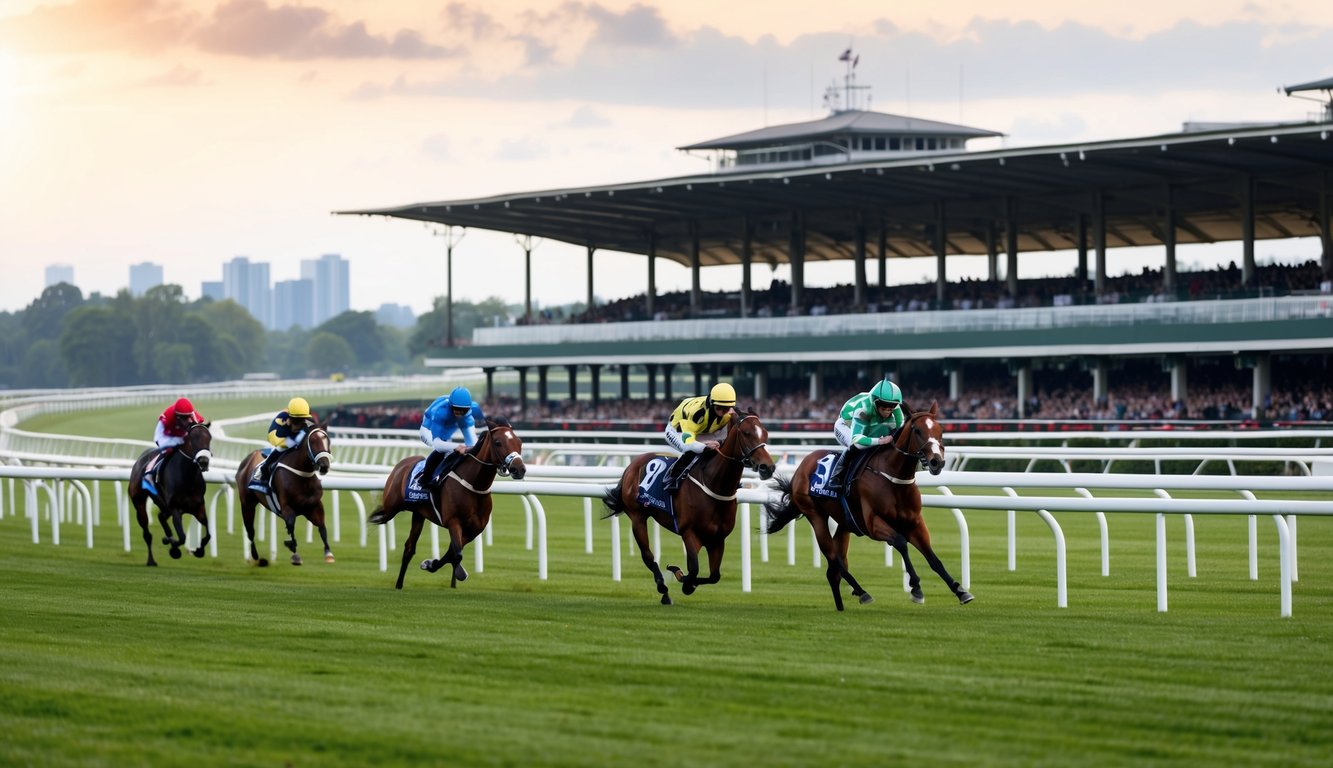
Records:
x=886, y=403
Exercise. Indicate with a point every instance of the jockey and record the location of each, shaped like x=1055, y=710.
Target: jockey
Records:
x=285, y=432
x=454, y=412
x=866, y=420
x=170, y=431
x=699, y=423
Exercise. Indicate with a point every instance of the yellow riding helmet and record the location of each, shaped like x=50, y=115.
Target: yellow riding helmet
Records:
x=298, y=408
x=723, y=394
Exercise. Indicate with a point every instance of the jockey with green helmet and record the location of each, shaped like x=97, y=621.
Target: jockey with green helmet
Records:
x=699, y=423
x=454, y=412
x=865, y=421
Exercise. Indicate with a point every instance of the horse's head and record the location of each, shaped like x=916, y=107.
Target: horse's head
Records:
x=751, y=443
x=198, y=444
x=923, y=438
x=319, y=447
x=500, y=446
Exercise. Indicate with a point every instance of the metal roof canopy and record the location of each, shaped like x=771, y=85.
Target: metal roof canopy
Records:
x=1049, y=188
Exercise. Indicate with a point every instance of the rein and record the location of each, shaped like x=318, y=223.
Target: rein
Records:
x=919, y=455
x=501, y=467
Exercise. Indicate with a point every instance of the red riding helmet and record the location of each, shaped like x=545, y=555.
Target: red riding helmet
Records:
x=183, y=407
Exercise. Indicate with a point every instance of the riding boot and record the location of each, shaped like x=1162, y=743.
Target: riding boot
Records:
x=266, y=468
x=835, y=476
x=429, y=472
x=677, y=471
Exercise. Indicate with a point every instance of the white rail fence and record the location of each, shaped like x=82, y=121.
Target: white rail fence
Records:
x=72, y=495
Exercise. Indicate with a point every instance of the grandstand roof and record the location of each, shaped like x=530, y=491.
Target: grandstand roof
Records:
x=849, y=122
x=1314, y=85
x=1049, y=187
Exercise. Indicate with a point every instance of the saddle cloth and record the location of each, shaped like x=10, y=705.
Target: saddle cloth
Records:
x=412, y=490
x=652, y=489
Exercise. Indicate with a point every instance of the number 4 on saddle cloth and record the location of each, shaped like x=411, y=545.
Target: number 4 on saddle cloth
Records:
x=819, y=483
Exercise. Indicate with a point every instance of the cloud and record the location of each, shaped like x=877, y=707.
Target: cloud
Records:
x=639, y=27
x=475, y=22
x=251, y=28
x=97, y=25
x=584, y=117
x=179, y=76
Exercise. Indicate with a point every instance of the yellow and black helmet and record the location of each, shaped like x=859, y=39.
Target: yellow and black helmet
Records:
x=723, y=394
x=298, y=408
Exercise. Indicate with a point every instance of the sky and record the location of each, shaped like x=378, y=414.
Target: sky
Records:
x=188, y=132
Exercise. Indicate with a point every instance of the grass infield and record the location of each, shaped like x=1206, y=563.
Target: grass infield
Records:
x=217, y=662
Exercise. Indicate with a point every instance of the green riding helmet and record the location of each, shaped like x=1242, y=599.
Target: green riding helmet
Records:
x=887, y=392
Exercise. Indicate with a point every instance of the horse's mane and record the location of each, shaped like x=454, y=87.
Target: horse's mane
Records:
x=500, y=421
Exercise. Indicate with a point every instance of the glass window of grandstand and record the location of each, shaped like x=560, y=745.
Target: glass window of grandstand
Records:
x=895, y=143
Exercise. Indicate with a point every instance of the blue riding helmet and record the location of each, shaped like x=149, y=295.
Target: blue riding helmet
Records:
x=460, y=398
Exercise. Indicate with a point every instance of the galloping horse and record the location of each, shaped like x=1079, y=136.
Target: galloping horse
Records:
x=180, y=490
x=884, y=501
x=295, y=484
x=461, y=504
x=705, y=505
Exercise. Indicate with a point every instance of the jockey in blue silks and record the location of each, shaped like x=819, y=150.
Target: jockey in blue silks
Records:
x=455, y=412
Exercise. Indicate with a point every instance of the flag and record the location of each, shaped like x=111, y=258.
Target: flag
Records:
x=856, y=60
x=846, y=55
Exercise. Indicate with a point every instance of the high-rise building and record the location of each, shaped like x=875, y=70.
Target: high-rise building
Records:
x=247, y=284
x=396, y=315
x=329, y=275
x=144, y=276
x=293, y=304
x=59, y=273
x=212, y=289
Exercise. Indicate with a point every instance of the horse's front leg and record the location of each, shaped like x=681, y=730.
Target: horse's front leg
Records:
x=639, y=524
x=316, y=516
x=691, y=576
x=201, y=514
x=882, y=531
x=920, y=539
x=165, y=518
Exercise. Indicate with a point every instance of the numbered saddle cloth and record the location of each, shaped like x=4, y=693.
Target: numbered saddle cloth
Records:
x=652, y=489
x=412, y=488
x=820, y=476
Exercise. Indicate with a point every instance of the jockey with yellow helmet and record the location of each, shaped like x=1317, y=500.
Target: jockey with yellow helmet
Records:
x=865, y=421
x=699, y=423
x=286, y=432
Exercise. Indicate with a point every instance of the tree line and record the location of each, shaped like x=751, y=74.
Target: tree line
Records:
x=63, y=339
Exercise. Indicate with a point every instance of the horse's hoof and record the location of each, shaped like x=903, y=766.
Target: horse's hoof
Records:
x=296, y=559
x=198, y=552
x=262, y=562
x=917, y=597
x=166, y=542
x=678, y=573
x=865, y=598
x=175, y=553
x=425, y=565
x=460, y=573
x=688, y=589
x=666, y=599
x=328, y=558
x=965, y=597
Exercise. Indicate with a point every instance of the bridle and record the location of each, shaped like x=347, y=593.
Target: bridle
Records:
x=502, y=467
x=310, y=453
x=746, y=459
x=199, y=452
x=913, y=435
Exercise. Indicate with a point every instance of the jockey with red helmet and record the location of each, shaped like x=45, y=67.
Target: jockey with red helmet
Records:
x=170, y=431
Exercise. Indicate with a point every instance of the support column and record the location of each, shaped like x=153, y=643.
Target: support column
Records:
x=1023, y=375
x=526, y=242
x=1099, y=241
x=1263, y=385
x=490, y=384
x=1169, y=280
x=698, y=369
x=796, y=255
x=1179, y=379
x=652, y=275
x=542, y=393
x=1326, y=237
x=595, y=374
x=747, y=257
x=817, y=383
x=955, y=371
x=522, y=390
x=859, y=281
x=573, y=382
x=591, y=302
x=1100, y=383
x=696, y=297
x=761, y=383
x=667, y=369
x=992, y=252
x=1081, y=239
x=941, y=259
x=883, y=255
x=1247, y=231
x=651, y=369
x=624, y=381
x=1011, y=248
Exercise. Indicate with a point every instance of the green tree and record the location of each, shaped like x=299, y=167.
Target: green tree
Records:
x=429, y=333
x=328, y=353
x=95, y=347
x=361, y=333
x=157, y=319
x=44, y=318
x=42, y=365
x=233, y=322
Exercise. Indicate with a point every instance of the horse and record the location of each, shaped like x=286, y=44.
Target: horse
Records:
x=461, y=504
x=295, y=484
x=884, y=501
x=705, y=505
x=180, y=490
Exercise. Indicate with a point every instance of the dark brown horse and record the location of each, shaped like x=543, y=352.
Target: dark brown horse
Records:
x=461, y=504
x=884, y=501
x=705, y=505
x=180, y=490
x=295, y=484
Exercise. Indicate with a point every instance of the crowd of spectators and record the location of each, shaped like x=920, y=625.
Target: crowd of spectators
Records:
x=1146, y=286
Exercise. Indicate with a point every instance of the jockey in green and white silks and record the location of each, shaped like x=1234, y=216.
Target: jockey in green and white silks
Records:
x=865, y=421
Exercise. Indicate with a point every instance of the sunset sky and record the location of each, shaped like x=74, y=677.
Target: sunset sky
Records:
x=186, y=132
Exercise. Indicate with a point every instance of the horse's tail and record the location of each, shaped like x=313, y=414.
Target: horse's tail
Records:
x=612, y=500
x=782, y=511
x=380, y=515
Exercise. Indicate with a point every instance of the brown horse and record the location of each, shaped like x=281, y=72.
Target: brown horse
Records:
x=884, y=501
x=705, y=505
x=295, y=484
x=180, y=490
x=461, y=504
